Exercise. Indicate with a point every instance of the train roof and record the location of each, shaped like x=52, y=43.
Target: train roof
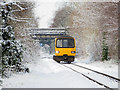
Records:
x=66, y=36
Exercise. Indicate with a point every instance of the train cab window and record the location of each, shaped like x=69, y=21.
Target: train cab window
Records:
x=71, y=43
x=65, y=43
x=59, y=43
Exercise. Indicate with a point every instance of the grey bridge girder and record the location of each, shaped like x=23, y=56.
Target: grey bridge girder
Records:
x=47, y=35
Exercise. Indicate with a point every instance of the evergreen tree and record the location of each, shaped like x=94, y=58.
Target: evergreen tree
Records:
x=11, y=49
x=104, y=48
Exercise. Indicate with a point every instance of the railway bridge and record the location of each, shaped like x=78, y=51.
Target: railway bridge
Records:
x=47, y=35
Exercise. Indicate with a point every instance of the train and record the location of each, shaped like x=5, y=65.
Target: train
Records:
x=65, y=49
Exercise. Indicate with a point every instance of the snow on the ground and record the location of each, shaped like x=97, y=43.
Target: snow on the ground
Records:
x=109, y=67
x=100, y=78
x=46, y=73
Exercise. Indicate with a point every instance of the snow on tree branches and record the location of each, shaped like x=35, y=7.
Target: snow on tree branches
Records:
x=12, y=51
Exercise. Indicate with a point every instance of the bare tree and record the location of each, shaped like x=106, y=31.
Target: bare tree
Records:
x=87, y=21
x=61, y=18
x=23, y=19
x=20, y=16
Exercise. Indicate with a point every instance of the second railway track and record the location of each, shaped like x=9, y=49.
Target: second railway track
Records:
x=111, y=77
x=110, y=82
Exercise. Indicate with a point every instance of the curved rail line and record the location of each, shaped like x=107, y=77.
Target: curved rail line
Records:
x=89, y=77
x=114, y=78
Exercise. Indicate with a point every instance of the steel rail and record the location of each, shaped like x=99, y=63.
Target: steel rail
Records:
x=88, y=77
x=117, y=79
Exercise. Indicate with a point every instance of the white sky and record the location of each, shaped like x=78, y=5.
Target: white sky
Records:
x=45, y=11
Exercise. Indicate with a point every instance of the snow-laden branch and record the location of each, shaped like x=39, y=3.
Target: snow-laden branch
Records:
x=25, y=18
x=12, y=16
x=3, y=3
x=21, y=2
x=18, y=20
x=21, y=8
x=5, y=27
x=16, y=11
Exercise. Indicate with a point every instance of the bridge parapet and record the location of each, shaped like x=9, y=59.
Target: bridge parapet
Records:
x=41, y=33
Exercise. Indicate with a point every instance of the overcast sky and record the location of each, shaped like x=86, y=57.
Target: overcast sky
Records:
x=45, y=11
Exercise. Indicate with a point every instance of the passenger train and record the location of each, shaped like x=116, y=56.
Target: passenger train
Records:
x=65, y=49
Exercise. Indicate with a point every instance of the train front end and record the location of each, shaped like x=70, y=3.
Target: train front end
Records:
x=65, y=49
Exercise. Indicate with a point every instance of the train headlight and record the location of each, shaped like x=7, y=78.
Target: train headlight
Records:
x=72, y=51
x=57, y=51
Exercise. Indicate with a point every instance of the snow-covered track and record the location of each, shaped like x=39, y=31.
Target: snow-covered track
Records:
x=111, y=77
x=87, y=76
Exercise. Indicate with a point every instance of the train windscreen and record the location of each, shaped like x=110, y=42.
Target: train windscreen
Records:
x=65, y=43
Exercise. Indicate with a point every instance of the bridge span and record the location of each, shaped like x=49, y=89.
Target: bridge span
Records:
x=47, y=35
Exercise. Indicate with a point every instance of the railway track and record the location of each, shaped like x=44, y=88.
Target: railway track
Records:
x=88, y=75
x=111, y=77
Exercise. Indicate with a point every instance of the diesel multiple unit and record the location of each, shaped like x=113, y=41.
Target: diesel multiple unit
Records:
x=65, y=49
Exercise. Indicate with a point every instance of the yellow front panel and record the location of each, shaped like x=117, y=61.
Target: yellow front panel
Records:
x=63, y=51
